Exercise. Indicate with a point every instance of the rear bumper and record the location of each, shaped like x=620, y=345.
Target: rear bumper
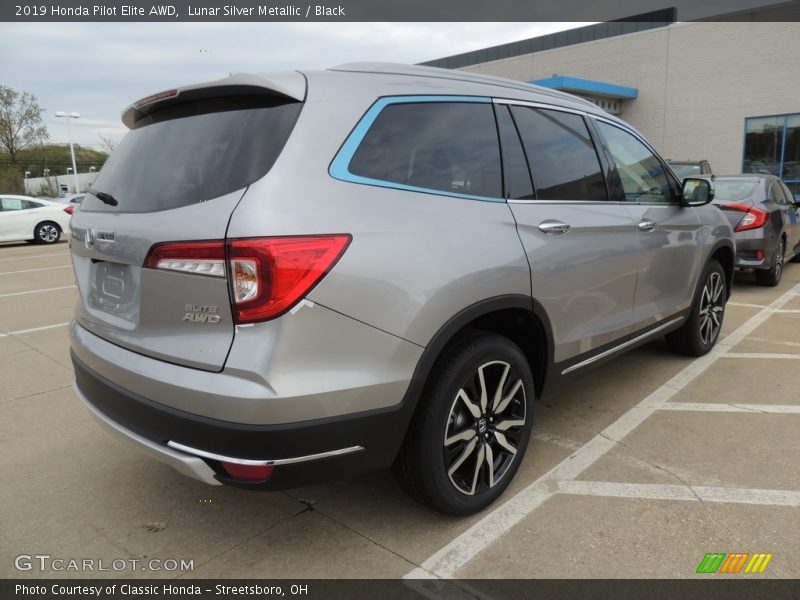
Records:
x=748, y=243
x=303, y=453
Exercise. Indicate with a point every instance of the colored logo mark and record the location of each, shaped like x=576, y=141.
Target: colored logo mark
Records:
x=737, y=562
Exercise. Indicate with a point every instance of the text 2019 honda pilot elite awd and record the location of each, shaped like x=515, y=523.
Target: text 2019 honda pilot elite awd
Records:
x=299, y=276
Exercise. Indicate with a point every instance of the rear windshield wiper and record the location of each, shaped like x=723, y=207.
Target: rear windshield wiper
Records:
x=103, y=197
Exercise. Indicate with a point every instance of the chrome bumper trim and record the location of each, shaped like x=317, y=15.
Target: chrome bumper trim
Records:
x=266, y=462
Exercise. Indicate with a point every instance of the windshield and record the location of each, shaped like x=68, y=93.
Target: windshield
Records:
x=732, y=190
x=194, y=152
x=685, y=170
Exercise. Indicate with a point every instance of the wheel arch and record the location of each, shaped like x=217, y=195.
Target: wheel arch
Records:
x=724, y=253
x=515, y=316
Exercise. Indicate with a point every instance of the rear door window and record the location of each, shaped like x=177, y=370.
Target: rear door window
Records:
x=194, y=152
x=561, y=155
x=450, y=147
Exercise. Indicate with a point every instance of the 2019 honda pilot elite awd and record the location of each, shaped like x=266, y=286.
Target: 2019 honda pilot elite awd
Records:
x=300, y=276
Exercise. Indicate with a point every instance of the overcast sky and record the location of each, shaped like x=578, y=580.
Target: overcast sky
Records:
x=96, y=69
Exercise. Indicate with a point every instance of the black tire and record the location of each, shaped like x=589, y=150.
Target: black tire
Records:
x=426, y=465
x=772, y=277
x=708, y=310
x=47, y=233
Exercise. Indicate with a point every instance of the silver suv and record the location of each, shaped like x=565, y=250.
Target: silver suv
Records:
x=300, y=276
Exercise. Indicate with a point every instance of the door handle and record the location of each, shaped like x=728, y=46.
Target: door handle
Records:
x=647, y=225
x=554, y=227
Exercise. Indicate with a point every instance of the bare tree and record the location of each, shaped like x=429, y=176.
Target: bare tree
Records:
x=109, y=144
x=21, y=122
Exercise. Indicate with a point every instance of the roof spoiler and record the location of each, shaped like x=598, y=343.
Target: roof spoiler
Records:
x=290, y=85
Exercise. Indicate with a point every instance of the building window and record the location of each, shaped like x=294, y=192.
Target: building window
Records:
x=772, y=146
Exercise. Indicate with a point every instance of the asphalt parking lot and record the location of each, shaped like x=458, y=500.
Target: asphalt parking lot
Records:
x=636, y=469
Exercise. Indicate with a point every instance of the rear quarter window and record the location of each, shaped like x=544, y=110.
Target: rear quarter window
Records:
x=449, y=147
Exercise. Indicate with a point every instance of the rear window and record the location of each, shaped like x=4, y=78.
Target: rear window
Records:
x=194, y=152
x=446, y=146
x=732, y=190
x=684, y=171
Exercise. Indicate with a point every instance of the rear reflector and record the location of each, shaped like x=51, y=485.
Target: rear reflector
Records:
x=248, y=472
x=268, y=276
x=753, y=218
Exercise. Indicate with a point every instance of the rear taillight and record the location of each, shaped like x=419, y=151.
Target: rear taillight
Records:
x=753, y=217
x=268, y=276
x=69, y=210
x=200, y=258
x=155, y=98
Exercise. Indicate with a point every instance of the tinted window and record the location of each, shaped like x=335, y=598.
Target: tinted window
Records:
x=561, y=155
x=515, y=165
x=194, y=152
x=31, y=204
x=643, y=176
x=445, y=146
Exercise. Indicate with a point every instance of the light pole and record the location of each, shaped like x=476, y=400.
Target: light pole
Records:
x=68, y=116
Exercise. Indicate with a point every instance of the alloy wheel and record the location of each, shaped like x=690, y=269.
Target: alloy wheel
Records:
x=48, y=233
x=712, y=306
x=483, y=428
x=779, y=261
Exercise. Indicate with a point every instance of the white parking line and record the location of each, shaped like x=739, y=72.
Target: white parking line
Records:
x=785, y=311
x=35, y=270
x=449, y=559
x=33, y=329
x=735, y=408
x=52, y=289
x=762, y=355
x=695, y=493
x=746, y=305
x=760, y=339
x=19, y=256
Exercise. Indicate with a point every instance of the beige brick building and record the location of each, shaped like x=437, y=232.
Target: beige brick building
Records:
x=697, y=85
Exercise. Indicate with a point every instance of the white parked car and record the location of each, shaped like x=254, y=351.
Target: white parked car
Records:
x=32, y=219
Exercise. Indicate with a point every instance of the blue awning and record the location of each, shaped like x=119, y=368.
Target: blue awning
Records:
x=577, y=85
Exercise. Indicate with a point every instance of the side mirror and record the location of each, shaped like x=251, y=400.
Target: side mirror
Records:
x=697, y=191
